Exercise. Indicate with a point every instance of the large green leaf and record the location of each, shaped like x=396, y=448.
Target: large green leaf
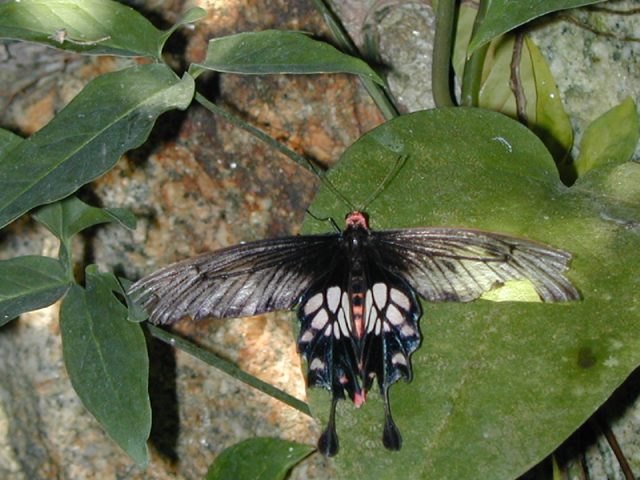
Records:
x=8, y=141
x=505, y=15
x=257, y=459
x=497, y=386
x=113, y=114
x=552, y=125
x=100, y=27
x=612, y=137
x=275, y=51
x=107, y=361
x=71, y=215
x=192, y=15
x=30, y=282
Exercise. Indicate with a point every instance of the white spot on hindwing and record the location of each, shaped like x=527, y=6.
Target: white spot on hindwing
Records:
x=333, y=298
x=394, y=315
x=407, y=330
x=399, y=358
x=320, y=320
x=399, y=298
x=380, y=295
x=316, y=364
x=346, y=304
x=306, y=336
x=342, y=322
x=313, y=304
x=372, y=318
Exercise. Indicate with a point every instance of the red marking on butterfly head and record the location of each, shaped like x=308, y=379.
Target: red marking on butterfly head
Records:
x=357, y=219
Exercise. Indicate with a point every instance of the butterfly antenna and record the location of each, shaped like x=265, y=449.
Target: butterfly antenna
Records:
x=327, y=219
x=399, y=163
x=328, y=444
x=321, y=175
x=391, y=437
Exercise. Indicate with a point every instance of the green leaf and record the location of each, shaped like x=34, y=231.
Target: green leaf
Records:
x=136, y=313
x=552, y=124
x=8, y=141
x=496, y=94
x=71, y=215
x=194, y=14
x=544, y=109
x=612, y=137
x=29, y=283
x=107, y=361
x=275, y=51
x=498, y=384
x=257, y=459
x=505, y=15
x=114, y=113
x=96, y=27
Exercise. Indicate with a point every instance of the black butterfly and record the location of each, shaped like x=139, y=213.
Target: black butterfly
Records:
x=356, y=292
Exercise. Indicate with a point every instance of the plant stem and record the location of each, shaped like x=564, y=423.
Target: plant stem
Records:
x=380, y=95
x=472, y=77
x=442, y=48
x=604, y=427
x=514, y=82
x=228, y=368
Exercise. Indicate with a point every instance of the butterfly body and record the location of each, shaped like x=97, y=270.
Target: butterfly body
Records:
x=357, y=295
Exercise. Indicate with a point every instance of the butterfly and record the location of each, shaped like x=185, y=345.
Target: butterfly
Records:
x=356, y=293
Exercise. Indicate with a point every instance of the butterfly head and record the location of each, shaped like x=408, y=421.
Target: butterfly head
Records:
x=358, y=220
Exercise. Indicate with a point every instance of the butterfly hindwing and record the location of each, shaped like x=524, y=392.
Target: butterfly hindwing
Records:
x=326, y=341
x=391, y=332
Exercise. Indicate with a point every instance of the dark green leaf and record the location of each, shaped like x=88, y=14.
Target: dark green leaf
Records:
x=497, y=384
x=194, y=14
x=552, y=125
x=97, y=27
x=505, y=15
x=276, y=51
x=29, y=283
x=496, y=94
x=8, y=141
x=613, y=137
x=544, y=109
x=71, y=215
x=113, y=114
x=107, y=361
x=136, y=312
x=257, y=459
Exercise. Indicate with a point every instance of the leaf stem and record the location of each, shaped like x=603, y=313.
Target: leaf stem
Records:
x=296, y=157
x=442, y=48
x=514, y=82
x=380, y=95
x=472, y=77
x=228, y=368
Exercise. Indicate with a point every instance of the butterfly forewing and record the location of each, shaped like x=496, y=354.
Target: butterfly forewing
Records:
x=459, y=265
x=243, y=280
